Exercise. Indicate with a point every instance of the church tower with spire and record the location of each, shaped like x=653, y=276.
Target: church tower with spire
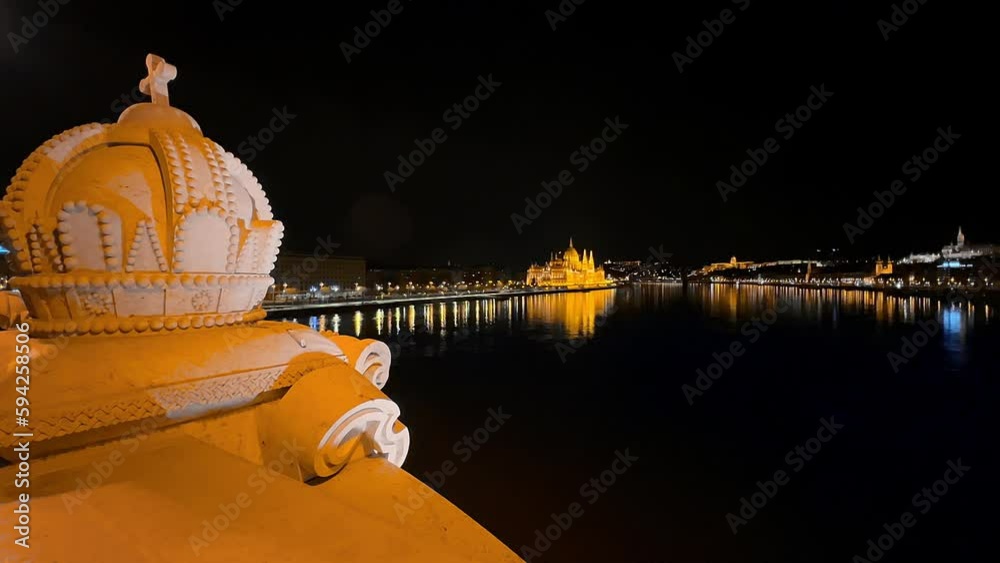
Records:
x=883, y=269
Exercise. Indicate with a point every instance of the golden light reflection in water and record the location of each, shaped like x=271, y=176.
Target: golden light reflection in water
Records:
x=956, y=319
x=576, y=312
x=732, y=303
x=429, y=317
x=579, y=314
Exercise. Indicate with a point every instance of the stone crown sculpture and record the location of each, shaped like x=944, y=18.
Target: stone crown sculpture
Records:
x=124, y=240
x=143, y=225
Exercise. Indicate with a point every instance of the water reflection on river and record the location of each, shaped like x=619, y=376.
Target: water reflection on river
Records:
x=576, y=315
x=821, y=305
x=825, y=355
x=557, y=315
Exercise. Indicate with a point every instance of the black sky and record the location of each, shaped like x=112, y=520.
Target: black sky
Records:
x=654, y=186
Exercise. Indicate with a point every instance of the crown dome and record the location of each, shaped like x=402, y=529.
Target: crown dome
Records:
x=571, y=254
x=145, y=224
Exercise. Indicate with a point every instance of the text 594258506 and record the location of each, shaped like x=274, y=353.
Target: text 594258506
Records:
x=22, y=414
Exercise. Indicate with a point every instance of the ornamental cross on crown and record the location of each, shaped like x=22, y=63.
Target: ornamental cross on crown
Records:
x=155, y=84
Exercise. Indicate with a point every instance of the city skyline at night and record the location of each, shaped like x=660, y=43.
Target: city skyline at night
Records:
x=311, y=134
x=432, y=281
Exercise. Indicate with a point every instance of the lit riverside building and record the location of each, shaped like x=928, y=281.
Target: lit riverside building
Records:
x=569, y=270
x=304, y=271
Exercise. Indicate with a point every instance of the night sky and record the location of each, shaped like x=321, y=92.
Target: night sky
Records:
x=653, y=186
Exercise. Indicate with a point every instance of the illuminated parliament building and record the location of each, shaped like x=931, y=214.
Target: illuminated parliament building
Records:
x=567, y=269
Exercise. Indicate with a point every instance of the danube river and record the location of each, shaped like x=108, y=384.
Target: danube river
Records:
x=805, y=421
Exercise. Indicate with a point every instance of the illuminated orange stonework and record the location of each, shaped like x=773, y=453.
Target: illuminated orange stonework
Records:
x=169, y=421
x=885, y=268
x=569, y=269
